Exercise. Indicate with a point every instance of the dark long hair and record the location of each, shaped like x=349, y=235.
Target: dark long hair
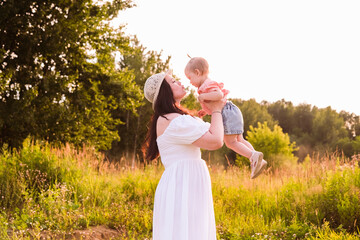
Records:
x=165, y=103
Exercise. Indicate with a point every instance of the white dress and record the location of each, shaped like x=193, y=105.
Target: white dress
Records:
x=183, y=208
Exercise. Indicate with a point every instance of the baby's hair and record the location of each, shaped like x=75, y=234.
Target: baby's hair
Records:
x=198, y=63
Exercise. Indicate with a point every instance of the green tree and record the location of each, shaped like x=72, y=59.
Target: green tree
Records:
x=356, y=145
x=253, y=113
x=302, y=129
x=303, y=119
x=328, y=128
x=352, y=123
x=283, y=112
x=345, y=145
x=57, y=73
x=190, y=101
x=142, y=64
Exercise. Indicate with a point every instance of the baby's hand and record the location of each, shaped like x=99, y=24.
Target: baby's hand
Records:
x=200, y=98
x=201, y=113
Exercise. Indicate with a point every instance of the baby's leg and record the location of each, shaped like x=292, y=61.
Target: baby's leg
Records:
x=258, y=164
x=231, y=141
x=241, y=139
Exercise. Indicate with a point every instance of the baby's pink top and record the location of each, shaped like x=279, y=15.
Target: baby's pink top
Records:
x=209, y=86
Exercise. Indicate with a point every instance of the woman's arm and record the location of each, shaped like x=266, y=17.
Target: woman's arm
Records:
x=214, y=138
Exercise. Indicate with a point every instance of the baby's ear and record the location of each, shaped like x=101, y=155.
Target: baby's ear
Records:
x=197, y=71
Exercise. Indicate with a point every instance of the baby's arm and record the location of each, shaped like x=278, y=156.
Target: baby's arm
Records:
x=211, y=96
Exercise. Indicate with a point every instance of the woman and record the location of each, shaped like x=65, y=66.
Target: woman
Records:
x=183, y=207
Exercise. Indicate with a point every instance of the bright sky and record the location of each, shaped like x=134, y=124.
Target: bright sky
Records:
x=304, y=51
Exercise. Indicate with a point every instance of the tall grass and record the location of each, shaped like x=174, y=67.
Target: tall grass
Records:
x=291, y=203
x=57, y=190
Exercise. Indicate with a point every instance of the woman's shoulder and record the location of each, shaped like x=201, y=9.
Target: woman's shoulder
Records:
x=183, y=129
x=172, y=116
x=164, y=121
x=167, y=118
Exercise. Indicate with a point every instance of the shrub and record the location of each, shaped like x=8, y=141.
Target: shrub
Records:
x=26, y=172
x=11, y=182
x=340, y=200
x=275, y=144
x=346, y=146
x=30, y=171
x=3, y=226
x=325, y=233
x=356, y=145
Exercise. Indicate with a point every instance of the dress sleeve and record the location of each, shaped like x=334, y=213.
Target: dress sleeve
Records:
x=186, y=129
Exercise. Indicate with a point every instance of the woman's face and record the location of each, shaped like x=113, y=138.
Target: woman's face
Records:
x=176, y=87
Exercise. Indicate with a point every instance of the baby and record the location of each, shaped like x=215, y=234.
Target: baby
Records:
x=197, y=71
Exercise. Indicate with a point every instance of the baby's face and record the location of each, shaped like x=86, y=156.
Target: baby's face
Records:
x=195, y=79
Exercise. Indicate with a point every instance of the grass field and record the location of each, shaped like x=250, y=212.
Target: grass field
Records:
x=60, y=193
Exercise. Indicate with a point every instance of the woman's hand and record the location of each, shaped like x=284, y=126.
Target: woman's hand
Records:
x=215, y=105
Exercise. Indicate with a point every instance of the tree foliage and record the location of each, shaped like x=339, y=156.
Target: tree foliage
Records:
x=352, y=123
x=142, y=63
x=315, y=129
x=58, y=79
x=328, y=127
x=190, y=102
x=283, y=112
x=253, y=113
